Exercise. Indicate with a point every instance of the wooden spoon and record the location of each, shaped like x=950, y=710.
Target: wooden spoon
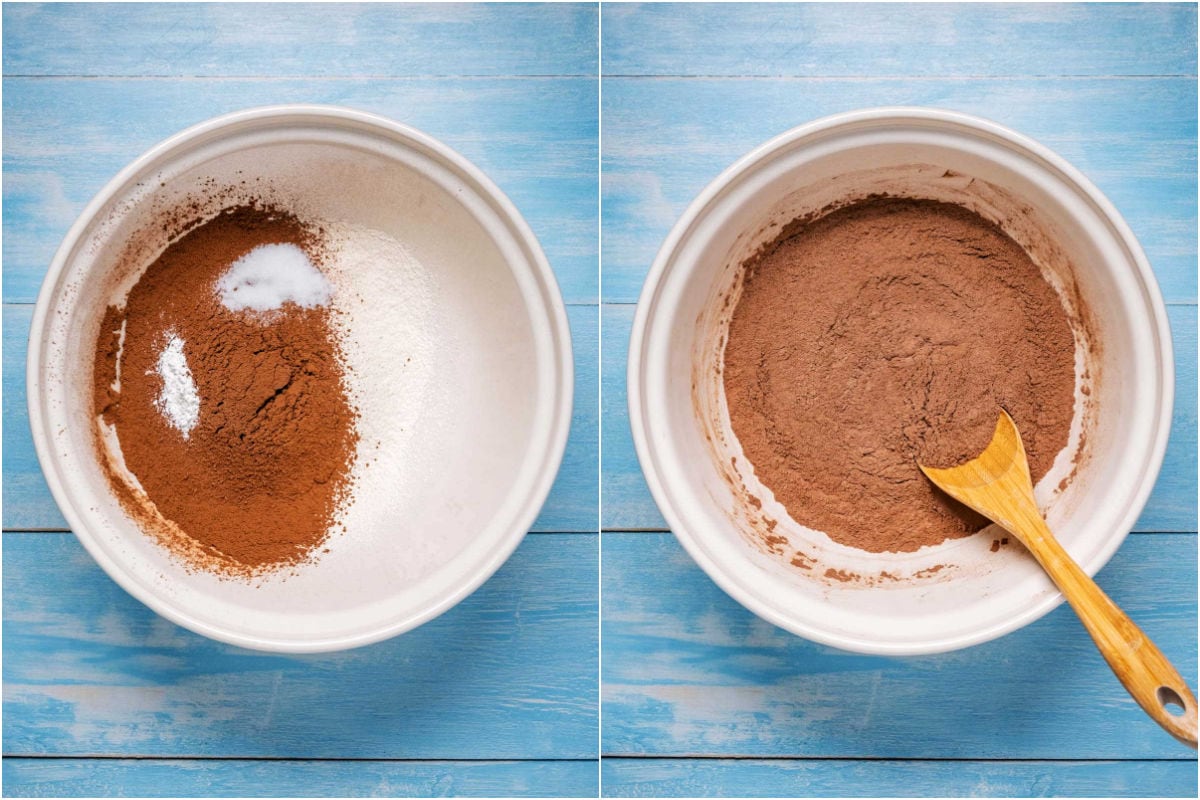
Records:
x=997, y=485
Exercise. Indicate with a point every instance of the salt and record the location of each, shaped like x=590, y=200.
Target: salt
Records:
x=271, y=275
x=179, y=399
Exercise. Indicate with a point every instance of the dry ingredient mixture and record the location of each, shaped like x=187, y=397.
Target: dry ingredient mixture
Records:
x=885, y=333
x=222, y=379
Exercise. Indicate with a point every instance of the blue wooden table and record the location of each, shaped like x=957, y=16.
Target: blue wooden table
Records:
x=497, y=697
x=700, y=697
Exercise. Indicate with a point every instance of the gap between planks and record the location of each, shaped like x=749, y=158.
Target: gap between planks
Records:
x=325, y=78
x=337, y=759
x=877, y=760
x=870, y=78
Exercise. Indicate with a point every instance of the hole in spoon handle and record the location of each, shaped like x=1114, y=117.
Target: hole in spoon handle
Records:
x=1172, y=703
x=1178, y=713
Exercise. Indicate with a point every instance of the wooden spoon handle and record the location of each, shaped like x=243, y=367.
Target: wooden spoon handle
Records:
x=1145, y=672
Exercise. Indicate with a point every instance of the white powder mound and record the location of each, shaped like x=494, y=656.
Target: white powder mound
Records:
x=179, y=399
x=271, y=275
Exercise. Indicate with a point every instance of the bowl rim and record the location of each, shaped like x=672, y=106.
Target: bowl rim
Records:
x=560, y=368
x=645, y=432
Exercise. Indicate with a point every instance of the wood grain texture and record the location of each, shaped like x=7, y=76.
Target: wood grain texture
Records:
x=65, y=139
x=510, y=673
x=573, y=501
x=571, y=505
x=74, y=777
x=666, y=139
x=628, y=505
x=625, y=499
x=26, y=497
x=688, y=671
x=681, y=777
x=954, y=39
x=300, y=39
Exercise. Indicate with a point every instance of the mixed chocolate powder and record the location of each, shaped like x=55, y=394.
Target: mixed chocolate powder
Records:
x=255, y=484
x=886, y=333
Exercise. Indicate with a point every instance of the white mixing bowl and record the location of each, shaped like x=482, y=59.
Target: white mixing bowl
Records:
x=488, y=422
x=958, y=593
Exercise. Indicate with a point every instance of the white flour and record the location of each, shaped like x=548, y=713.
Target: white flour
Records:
x=384, y=312
x=271, y=275
x=178, y=400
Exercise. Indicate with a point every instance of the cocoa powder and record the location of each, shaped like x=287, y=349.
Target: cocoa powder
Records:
x=256, y=483
x=886, y=333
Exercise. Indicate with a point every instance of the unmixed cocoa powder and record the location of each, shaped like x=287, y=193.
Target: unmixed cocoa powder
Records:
x=886, y=333
x=257, y=481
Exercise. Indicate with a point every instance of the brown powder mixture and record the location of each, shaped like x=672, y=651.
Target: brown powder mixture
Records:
x=884, y=333
x=256, y=483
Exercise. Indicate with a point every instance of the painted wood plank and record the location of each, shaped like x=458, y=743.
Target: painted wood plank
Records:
x=65, y=139
x=1172, y=504
x=510, y=673
x=826, y=39
x=26, y=497
x=625, y=499
x=57, y=777
x=665, y=139
x=571, y=505
x=300, y=39
x=687, y=671
x=657, y=777
x=628, y=505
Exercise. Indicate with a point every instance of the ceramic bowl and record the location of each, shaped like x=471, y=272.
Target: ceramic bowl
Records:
x=489, y=419
x=958, y=593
